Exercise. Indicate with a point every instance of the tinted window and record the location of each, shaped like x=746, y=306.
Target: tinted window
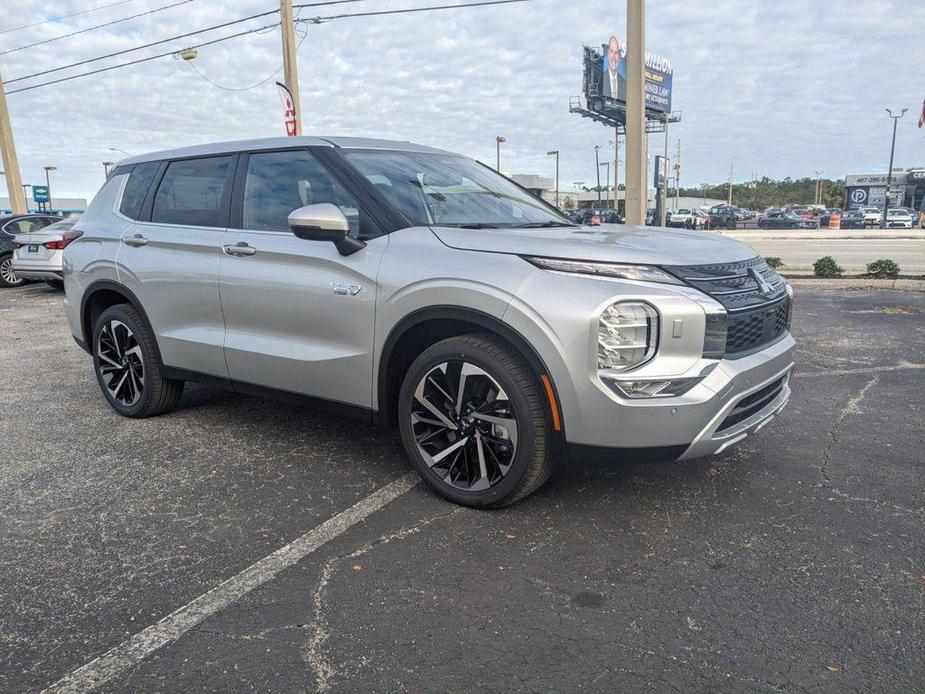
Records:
x=191, y=193
x=279, y=182
x=136, y=188
x=24, y=225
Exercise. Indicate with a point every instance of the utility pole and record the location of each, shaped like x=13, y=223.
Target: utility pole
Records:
x=636, y=184
x=677, y=175
x=597, y=168
x=889, y=171
x=10, y=162
x=48, y=185
x=616, y=165
x=818, y=196
x=556, y=152
x=498, y=141
x=730, y=184
x=290, y=63
x=663, y=194
x=606, y=175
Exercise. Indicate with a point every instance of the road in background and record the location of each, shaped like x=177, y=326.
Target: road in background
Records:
x=851, y=249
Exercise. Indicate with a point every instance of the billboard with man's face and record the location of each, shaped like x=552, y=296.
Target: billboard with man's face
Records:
x=605, y=78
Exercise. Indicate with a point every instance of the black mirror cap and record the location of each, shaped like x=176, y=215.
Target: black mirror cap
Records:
x=345, y=244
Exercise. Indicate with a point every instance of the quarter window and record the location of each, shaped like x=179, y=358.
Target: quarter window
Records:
x=136, y=188
x=279, y=182
x=192, y=193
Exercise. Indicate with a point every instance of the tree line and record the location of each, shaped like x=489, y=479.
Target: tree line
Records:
x=768, y=192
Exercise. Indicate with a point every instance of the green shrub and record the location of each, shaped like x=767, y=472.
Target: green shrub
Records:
x=774, y=262
x=827, y=267
x=883, y=268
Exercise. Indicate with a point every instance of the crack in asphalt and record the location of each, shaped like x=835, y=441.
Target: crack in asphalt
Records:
x=313, y=654
x=852, y=407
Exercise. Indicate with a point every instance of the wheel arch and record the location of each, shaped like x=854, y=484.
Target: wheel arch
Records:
x=99, y=296
x=426, y=326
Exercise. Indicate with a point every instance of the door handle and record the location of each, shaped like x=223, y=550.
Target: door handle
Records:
x=239, y=249
x=135, y=241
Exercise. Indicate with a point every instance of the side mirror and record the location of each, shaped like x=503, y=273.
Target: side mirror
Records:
x=324, y=222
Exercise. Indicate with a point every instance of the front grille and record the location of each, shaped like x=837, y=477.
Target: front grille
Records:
x=752, y=404
x=753, y=329
x=755, y=317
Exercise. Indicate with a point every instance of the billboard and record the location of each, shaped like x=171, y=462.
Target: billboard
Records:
x=605, y=79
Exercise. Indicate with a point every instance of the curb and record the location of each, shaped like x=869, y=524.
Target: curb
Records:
x=859, y=283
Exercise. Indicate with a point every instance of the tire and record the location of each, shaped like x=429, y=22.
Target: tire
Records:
x=128, y=365
x=7, y=277
x=55, y=284
x=494, y=464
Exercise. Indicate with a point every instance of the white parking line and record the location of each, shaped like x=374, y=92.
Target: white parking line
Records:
x=132, y=651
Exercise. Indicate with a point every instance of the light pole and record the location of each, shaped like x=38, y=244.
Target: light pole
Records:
x=818, y=196
x=25, y=194
x=616, y=165
x=597, y=167
x=550, y=153
x=48, y=184
x=889, y=171
x=606, y=175
x=106, y=165
x=116, y=149
x=498, y=141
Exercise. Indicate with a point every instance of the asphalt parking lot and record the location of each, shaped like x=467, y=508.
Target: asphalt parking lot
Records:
x=794, y=562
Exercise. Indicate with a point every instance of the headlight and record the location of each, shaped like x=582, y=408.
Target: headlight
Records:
x=627, y=335
x=644, y=273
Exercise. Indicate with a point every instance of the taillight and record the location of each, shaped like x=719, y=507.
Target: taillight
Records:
x=66, y=238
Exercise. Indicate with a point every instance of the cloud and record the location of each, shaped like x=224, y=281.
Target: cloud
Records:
x=779, y=88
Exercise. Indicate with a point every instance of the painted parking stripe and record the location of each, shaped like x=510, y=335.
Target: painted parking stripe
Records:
x=132, y=651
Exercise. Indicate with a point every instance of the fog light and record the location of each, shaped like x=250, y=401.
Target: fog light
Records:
x=664, y=388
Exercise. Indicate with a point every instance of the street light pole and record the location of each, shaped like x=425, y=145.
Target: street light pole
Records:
x=116, y=149
x=10, y=162
x=556, y=152
x=818, y=197
x=597, y=167
x=106, y=165
x=889, y=171
x=636, y=184
x=48, y=184
x=498, y=141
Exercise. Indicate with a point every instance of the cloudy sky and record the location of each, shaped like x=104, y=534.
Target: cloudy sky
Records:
x=781, y=88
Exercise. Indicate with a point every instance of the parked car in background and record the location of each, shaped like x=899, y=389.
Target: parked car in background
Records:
x=723, y=216
x=854, y=219
x=420, y=289
x=912, y=213
x=703, y=219
x=683, y=217
x=747, y=213
x=873, y=215
x=10, y=226
x=785, y=220
x=898, y=218
x=37, y=254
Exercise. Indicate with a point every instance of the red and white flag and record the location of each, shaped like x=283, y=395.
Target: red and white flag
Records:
x=288, y=108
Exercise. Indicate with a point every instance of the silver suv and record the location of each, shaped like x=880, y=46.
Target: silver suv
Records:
x=413, y=286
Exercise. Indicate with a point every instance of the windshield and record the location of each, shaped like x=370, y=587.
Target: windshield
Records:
x=449, y=190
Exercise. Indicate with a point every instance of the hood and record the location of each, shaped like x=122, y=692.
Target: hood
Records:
x=614, y=243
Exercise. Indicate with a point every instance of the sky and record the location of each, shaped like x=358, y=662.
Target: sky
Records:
x=774, y=88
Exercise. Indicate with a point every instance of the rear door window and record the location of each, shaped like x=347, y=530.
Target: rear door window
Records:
x=136, y=188
x=192, y=193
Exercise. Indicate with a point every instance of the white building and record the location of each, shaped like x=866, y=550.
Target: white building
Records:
x=64, y=206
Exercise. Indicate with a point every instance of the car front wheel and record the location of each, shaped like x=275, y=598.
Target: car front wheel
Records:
x=473, y=422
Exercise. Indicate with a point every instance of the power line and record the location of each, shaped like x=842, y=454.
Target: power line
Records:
x=66, y=16
x=98, y=26
x=168, y=40
x=141, y=60
x=233, y=36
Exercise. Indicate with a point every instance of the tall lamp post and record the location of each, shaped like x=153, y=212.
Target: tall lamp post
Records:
x=49, y=169
x=817, y=199
x=550, y=153
x=498, y=141
x=606, y=175
x=889, y=171
x=597, y=167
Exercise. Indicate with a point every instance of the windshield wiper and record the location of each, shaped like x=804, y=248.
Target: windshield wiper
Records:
x=474, y=225
x=540, y=225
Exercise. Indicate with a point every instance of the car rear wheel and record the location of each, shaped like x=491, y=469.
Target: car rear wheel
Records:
x=8, y=278
x=128, y=365
x=473, y=422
